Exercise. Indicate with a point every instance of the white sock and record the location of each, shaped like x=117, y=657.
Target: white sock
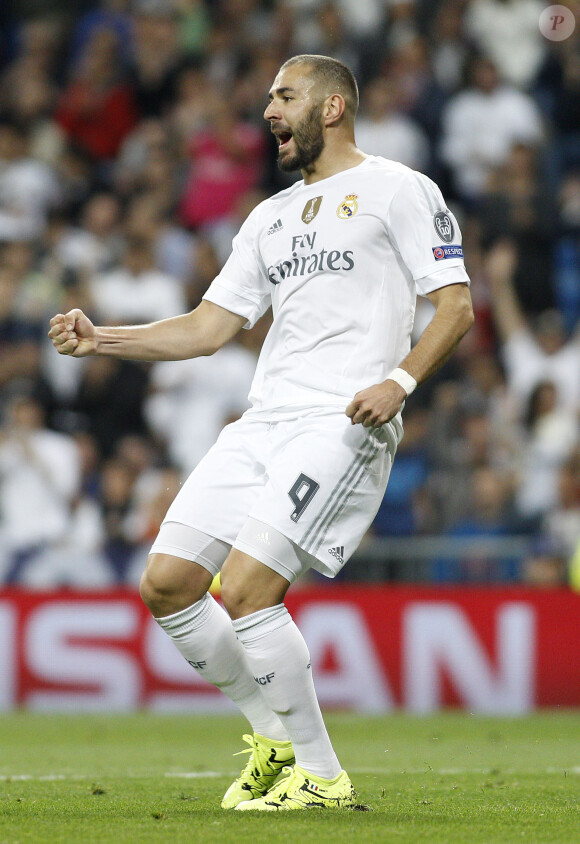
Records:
x=278, y=657
x=204, y=635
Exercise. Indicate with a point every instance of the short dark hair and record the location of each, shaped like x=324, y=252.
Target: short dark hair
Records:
x=332, y=74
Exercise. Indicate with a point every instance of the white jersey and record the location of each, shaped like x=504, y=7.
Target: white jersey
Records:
x=341, y=261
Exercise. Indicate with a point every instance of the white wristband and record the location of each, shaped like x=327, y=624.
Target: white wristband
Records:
x=402, y=377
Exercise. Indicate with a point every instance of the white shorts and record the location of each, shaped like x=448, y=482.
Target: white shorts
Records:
x=317, y=479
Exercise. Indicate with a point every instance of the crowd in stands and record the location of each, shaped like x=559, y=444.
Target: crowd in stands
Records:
x=132, y=146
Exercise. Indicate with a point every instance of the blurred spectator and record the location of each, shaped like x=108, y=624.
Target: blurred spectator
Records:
x=225, y=55
x=174, y=248
x=362, y=19
x=222, y=233
x=483, y=389
x=489, y=514
x=480, y=126
x=191, y=109
x=33, y=483
x=381, y=130
x=328, y=35
x=135, y=493
x=532, y=351
x=19, y=337
x=402, y=23
x=112, y=15
x=108, y=401
x=520, y=205
x=550, y=436
x=562, y=523
x=259, y=70
x=97, y=110
x=77, y=561
x=449, y=49
x=567, y=251
x=250, y=20
x=460, y=441
x=156, y=56
x=28, y=188
x=144, y=521
x=209, y=391
x=95, y=245
x=558, y=89
x=37, y=51
x=399, y=513
x=30, y=104
x=150, y=162
x=38, y=290
x=418, y=94
x=77, y=178
x=117, y=481
x=228, y=158
x=507, y=32
x=136, y=291
x=194, y=26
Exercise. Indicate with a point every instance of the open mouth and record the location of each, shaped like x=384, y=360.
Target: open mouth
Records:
x=283, y=138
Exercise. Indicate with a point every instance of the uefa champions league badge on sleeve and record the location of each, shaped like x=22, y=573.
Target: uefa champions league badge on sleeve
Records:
x=451, y=251
x=444, y=226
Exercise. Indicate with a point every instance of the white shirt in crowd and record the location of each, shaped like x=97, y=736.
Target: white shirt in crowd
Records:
x=553, y=440
x=396, y=137
x=527, y=365
x=192, y=400
x=39, y=477
x=28, y=189
x=509, y=34
x=479, y=130
x=119, y=296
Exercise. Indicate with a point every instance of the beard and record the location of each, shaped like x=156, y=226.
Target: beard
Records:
x=308, y=141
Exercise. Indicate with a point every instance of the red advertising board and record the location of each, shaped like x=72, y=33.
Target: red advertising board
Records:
x=373, y=648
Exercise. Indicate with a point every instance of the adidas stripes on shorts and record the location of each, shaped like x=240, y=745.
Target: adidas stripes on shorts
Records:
x=316, y=479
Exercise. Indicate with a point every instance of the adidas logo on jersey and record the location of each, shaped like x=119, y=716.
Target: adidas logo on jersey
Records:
x=276, y=227
x=337, y=552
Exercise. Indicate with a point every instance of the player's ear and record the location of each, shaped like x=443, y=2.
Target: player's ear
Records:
x=333, y=109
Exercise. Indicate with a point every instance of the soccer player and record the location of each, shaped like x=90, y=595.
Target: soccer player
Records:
x=295, y=483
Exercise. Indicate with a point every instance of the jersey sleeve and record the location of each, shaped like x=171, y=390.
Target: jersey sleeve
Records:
x=426, y=234
x=242, y=286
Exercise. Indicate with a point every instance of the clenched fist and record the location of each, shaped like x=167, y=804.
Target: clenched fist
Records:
x=377, y=404
x=73, y=334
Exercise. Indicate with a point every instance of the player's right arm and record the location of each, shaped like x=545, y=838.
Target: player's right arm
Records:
x=200, y=332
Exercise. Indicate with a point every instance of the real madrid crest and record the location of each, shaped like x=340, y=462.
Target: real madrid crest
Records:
x=348, y=207
x=311, y=209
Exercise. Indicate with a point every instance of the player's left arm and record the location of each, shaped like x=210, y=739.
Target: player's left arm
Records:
x=452, y=319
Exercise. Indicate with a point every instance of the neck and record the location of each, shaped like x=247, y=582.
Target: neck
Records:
x=333, y=159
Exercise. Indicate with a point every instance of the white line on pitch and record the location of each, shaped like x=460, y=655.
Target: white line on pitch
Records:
x=190, y=775
x=458, y=771
x=195, y=775
x=61, y=777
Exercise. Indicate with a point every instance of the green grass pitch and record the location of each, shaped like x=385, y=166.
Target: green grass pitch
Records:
x=448, y=778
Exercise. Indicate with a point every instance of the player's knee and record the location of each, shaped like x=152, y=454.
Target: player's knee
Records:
x=234, y=599
x=236, y=593
x=155, y=586
x=242, y=595
x=170, y=584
